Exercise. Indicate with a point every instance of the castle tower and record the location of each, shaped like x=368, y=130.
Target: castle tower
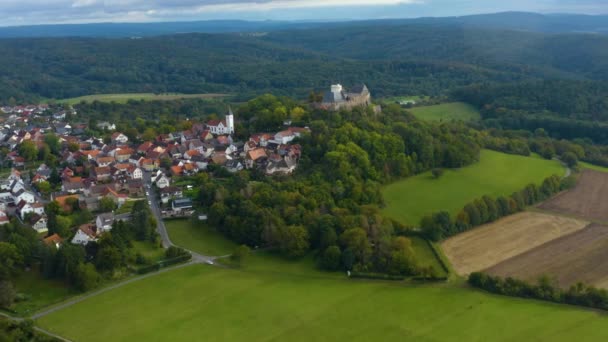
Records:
x=230, y=121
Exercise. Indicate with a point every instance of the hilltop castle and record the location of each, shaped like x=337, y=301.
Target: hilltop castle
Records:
x=338, y=98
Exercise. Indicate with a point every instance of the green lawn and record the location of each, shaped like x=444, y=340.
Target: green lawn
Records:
x=207, y=303
x=123, y=98
x=447, y=111
x=583, y=165
x=40, y=292
x=149, y=250
x=199, y=237
x=425, y=256
x=495, y=174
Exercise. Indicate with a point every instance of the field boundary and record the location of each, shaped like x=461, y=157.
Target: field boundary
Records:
x=439, y=255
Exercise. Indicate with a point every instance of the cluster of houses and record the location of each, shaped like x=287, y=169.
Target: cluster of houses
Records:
x=94, y=169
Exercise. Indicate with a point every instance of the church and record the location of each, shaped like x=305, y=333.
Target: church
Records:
x=222, y=127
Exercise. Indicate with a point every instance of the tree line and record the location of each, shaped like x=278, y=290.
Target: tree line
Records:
x=81, y=267
x=544, y=289
x=441, y=225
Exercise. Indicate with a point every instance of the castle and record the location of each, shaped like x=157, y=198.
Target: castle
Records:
x=338, y=98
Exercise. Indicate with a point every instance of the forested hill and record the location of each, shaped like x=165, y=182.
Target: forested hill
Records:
x=523, y=21
x=396, y=60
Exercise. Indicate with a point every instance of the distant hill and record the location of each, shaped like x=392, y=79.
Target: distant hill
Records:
x=524, y=21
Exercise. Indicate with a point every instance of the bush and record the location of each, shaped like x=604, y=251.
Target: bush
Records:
x=174, y=252
x=437, y=172
x=148, y=269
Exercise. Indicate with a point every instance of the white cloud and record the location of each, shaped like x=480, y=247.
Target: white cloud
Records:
x=28, y=12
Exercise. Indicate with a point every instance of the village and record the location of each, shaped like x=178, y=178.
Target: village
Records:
x=102, y=176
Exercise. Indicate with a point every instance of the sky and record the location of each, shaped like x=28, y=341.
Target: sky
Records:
x=32, y=12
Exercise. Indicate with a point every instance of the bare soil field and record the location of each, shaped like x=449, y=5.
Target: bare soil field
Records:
x=490, y=244
x=578, y=257
x=588, y=199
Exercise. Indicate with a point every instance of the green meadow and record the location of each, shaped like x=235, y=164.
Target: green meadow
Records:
x=198, y=236
x=457, y=111
x=495, y=174
x=202, y=302
x=123, y=98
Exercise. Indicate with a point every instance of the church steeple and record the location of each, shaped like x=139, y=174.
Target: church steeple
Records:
x=230, y=121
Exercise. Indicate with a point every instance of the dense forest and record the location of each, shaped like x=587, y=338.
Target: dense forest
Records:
x=398, y=59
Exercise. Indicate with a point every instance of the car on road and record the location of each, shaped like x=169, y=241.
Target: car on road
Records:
x=147, y=193
x=149, y=202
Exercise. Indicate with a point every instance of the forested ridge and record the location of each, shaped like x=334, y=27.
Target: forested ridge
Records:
x=411, y=59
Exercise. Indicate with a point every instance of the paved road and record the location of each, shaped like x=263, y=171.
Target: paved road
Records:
x=160, y=224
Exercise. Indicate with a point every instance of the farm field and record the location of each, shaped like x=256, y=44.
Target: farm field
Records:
x=457, y=111
x=508, y=237
x=578, y=257
x=201, y=302
x=495, y=174
x=588, y=199
x=123, y=98
x=199, y=237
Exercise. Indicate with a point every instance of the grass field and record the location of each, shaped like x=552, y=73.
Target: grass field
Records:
x=425, y=256
x=458, y=111
x=583, y=165
x=495, y=174
x=123, y=98
x=40, y=292
x=197, y=236
x=205, y=303
x=490, y=244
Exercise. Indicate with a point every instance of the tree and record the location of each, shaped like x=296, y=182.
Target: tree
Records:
x=293, y=241
x=240, y=255
x=402, y=260
x=355, y=240
x=44, y=187
x=330, y=259
x=86, y=277
x=437, y=172
x=10, y=259
x=108, y=258
x=570, y=159
x=107, y=204
x=7, y=293
x=28, y=150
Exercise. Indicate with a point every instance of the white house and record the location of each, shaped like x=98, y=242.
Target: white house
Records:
x=136, y=173
x=26, y=208
x=119, y=138
x=24, y=195
x=106, y=125
x=39, y=223
x=161, y=180
x=84, y=235
x=104, y=222
x=284, y=137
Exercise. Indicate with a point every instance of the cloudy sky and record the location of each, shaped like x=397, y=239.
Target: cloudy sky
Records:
x=28, y=12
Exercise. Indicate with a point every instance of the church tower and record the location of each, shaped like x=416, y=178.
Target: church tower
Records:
x=230, y=121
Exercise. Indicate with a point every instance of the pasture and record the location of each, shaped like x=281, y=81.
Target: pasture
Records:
x=578, y=257
x=490, y=244
x=198, y=236
x=588, y=199
x=201, y=302
x=123, y=98
x=495, y=174
x=453, y=111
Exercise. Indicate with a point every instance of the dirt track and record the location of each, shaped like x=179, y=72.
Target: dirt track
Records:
x=581, y=256
x=589, y=199
x=493, y=243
